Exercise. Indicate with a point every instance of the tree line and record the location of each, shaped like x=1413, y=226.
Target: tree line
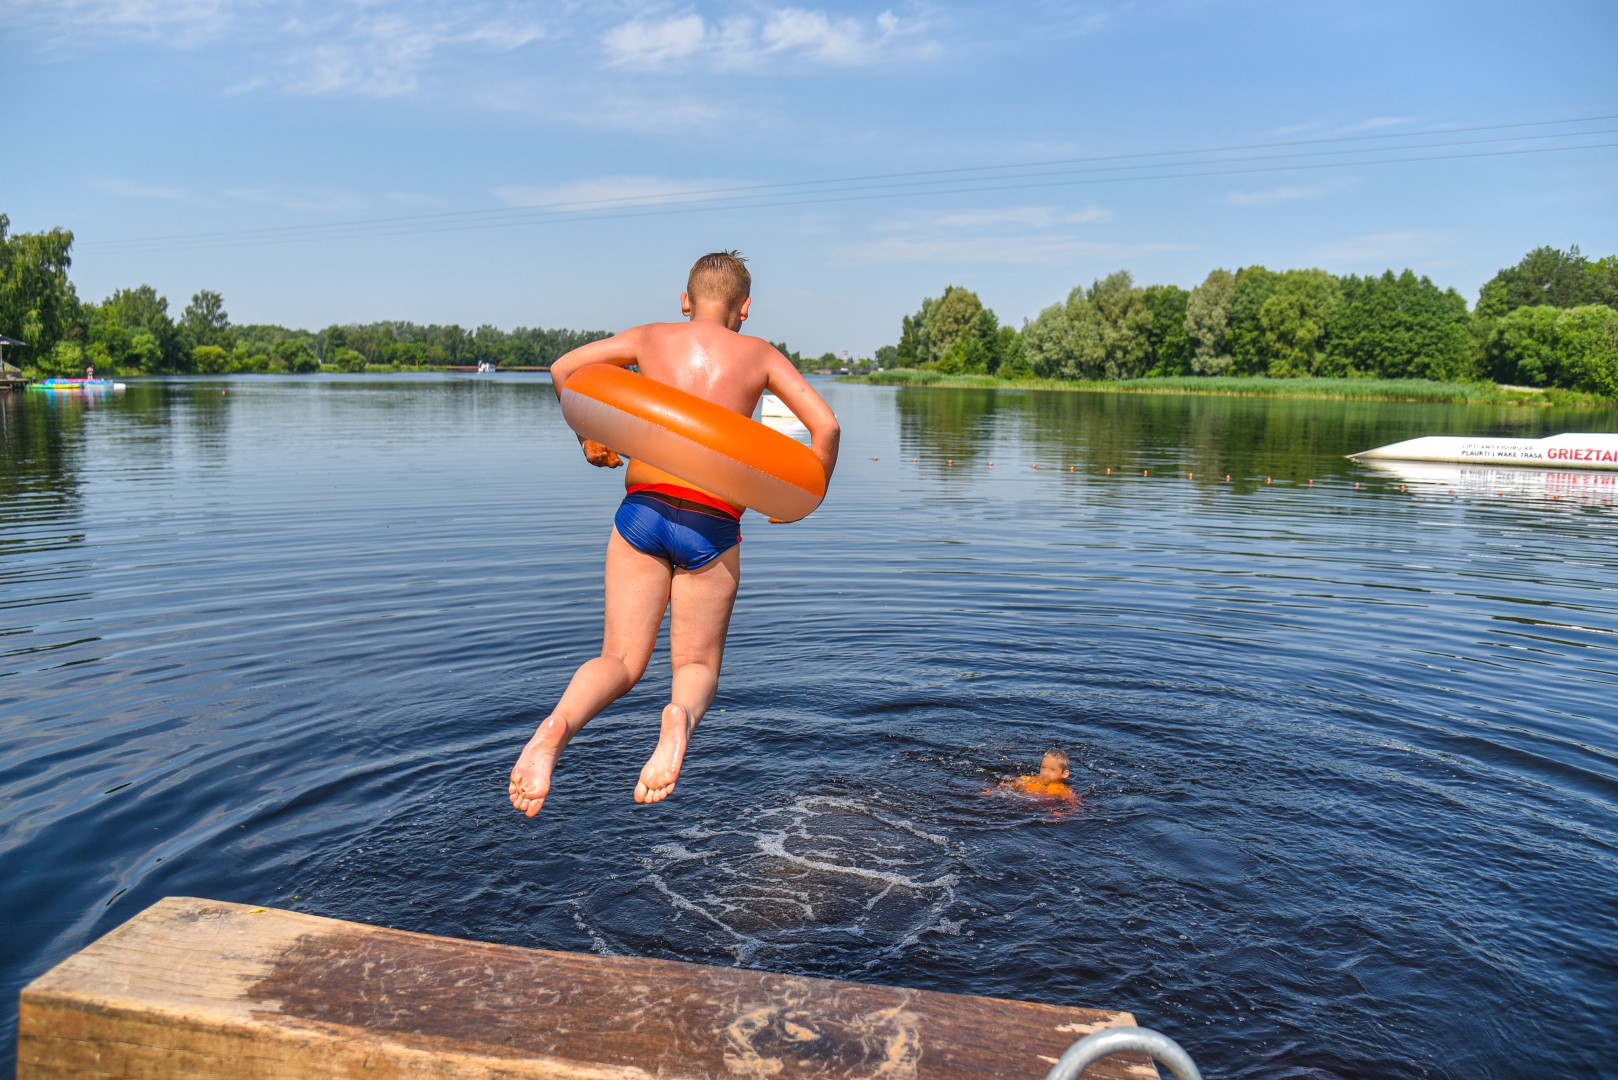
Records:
x=132, y=331
x=1549, y=321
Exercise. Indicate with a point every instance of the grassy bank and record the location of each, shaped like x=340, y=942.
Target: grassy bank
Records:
x=1220, y=386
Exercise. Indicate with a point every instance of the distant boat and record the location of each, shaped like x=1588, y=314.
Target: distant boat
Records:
x=1567, y=451
x=81, y=385
x=773, y=413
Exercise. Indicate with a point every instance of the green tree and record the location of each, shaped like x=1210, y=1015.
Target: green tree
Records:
x=904, y=353
x=37, y=301
x=295, y=354
x=204, y=322
x=1543, y=276
x=1603, y=286
x=1576, y=348
x=138, y=311
x=942, y=321
x=210, y=360
x=346, y=359
x=1167, y=336
x=955, y=318
x=1587, y=341
x=887, y=356
x=1401, y=327
x=1050, y=346
x=977, y=351
x=1249, y=351
x=66, y=361
x=1113, y=329
x=1207, y=323
x=1013, y=355
x=1296, y=319
x=1521, y=347
x=1100, y=333
x=455, y=343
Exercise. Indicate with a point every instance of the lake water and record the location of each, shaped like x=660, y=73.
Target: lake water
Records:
x=1346, y=738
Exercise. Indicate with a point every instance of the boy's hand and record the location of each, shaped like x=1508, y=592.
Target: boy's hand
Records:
x=600, y=454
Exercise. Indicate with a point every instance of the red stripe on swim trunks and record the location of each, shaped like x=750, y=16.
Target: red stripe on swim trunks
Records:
x=686, y=498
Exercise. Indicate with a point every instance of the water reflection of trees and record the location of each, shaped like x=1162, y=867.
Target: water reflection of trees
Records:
x=39, y=455
x=1248, y=438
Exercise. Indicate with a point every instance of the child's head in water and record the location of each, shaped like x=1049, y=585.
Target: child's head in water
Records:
x=1049, y=783
x=1053, y=766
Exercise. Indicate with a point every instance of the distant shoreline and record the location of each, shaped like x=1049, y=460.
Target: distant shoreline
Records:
x=1393, y=390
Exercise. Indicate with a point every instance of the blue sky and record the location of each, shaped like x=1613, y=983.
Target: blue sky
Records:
x=562, y=164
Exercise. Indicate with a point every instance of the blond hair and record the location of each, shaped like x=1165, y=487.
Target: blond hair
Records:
x=720, y=277
x=1059, y=755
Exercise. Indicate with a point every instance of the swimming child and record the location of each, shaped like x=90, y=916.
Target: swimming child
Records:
x=1049, y=783
x=674, y=545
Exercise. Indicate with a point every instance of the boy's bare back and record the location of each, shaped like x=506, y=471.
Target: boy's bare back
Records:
x=710, y=359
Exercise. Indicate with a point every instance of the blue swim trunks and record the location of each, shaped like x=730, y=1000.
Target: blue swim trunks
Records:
x=689, y=533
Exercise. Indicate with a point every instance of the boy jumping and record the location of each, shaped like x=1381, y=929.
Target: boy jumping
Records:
x=673, y=545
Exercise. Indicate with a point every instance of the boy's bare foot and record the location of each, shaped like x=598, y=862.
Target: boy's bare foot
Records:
x=663, y=767
x=531, y=777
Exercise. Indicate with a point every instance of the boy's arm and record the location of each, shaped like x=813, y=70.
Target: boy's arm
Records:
x=620, y=349
x=788, y=384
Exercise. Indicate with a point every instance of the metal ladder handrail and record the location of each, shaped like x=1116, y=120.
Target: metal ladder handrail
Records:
x=1093, y=1047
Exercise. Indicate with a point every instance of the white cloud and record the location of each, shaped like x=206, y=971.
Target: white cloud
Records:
x=1380, y=123
x=1017, y=250
x=314, y=47
x=1008, y=234
x=330, y=202
x=1273, y=195
x=655, y=42
x=744, y=42
x=130, y=190
x=412, y=199
x=389, y=55
x=1336, y=129
x=1384, y=248
x=616, y=193
x=814, y=33
x=1037, y=217
x=616, y=105
x=66, y=25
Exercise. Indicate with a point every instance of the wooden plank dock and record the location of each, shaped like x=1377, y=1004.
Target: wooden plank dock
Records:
x=202, y=988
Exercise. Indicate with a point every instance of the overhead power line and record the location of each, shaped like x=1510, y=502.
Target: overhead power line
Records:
x=1155, y=166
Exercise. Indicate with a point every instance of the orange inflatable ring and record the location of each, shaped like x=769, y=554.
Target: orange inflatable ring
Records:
x=731, y=455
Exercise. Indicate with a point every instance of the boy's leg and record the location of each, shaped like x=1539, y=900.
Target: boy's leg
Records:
x=700, y=603
x=637, y=593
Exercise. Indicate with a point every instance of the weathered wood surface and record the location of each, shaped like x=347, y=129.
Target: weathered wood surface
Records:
x=201, y=988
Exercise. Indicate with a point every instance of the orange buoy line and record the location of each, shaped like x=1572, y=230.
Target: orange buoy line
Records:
x=734, y=456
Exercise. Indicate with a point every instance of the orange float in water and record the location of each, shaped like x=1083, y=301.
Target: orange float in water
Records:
x=734, y=456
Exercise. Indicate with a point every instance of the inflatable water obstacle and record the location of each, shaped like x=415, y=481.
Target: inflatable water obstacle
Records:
x=83, y=385
x=734, y=456
x=1566, y=451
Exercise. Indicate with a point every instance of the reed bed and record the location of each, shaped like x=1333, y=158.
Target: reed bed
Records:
x=1255, y=386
